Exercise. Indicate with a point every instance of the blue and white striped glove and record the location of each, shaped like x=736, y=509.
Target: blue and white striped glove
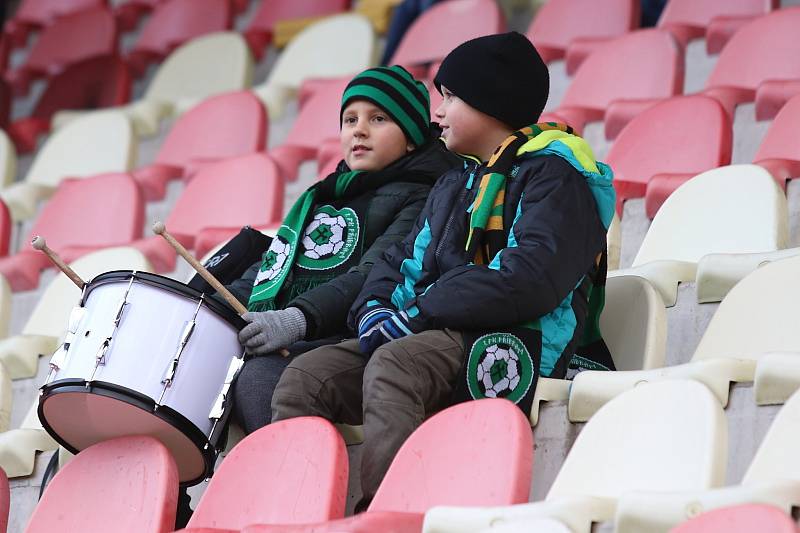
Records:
x=379, y=326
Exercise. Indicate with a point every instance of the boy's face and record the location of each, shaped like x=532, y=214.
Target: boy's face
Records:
x=370, y=139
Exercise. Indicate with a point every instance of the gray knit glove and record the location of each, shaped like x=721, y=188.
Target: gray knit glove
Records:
x=268, y=331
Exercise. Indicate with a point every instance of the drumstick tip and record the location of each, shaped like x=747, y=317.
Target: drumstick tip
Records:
x=38, y=243
x=159, y=228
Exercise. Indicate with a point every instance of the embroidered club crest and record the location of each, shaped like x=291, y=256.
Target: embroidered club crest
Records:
x=499, y=366
x=329, y=239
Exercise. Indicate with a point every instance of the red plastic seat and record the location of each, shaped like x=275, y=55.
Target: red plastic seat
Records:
x=5, y=231
x=451, y=459
x=745, y=518
x=620, y=79
x=219, y=127
x=779, y=152
x=573, y=28
x=717, y=20
x=761, y=62
x=443, y=27
x=83, y=215
x=128, y=484
x=174, y=22
x=229, y=194
x=657, y=145
x=5, y=104
x=93, y=83
x=259, y=31
x=290, y=472
x=5, y=50
x=37, y=14
x=69, y=39
x=316, y=123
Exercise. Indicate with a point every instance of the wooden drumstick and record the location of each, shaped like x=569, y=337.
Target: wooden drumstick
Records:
x=160, y=229
x=38, y=243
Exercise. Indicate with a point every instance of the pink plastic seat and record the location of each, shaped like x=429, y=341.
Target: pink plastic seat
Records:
x=259, y=31
x=443, y=27
x=69, y=39
x=93, y=83
x=745, y=518
x=83, y=215
x=129, y=13
x=290, y=472
x=219, y=127
x=573, y=28
x=620, y=79
x=451, y=459
x=657, y=144
x=316, y=123
x=229, y=194
x=779, y=152
x=37, y=14
x=5, y=104
x=174, y=22
x=5, y=231
x=128, y=484
x=717, y=20
x=761, y=62
x=5, y=50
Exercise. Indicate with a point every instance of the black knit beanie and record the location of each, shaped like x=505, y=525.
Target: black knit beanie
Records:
x=500, y=75
x=395, y=91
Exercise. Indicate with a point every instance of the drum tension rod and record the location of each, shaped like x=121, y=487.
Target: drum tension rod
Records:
x=188, y=330
x=100, y=357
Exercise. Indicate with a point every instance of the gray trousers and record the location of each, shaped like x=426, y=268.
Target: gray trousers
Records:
x=390, y=393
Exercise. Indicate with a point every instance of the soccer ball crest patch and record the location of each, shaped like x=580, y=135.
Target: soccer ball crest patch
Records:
x=329, y=239
x=499, y=366
x=274, y=260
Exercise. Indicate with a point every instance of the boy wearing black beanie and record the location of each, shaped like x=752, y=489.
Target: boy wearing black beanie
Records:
x=501, y=279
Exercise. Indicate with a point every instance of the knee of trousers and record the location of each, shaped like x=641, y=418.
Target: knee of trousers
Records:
x=390, y=367
x=294, y=393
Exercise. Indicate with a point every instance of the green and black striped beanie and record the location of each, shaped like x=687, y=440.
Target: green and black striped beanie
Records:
x=395, y=91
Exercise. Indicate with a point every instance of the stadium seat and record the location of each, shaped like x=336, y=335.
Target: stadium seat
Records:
x=222, y=126
x=98, y=143
x=134, y=479
x=614, y=241
x=451, y=459
x=539, y=525
x=37, y=14
x=443, y=27
x=572, y=29
x=634, y=327
x=773, y=478
x=291, y=472
x=5, y=230
x=230, y=194
x=203, y=67
x=259, y=31
x=779, y=152
x=18, y=447
x=8, y=160
x=5, y=307
x=656, y=147
x=172, y=23
x=620, y=79
x=129, y=12
x=664, y=436
x=730, y=349
x=5, y=103
x=5, y=51
x=48, y=321
x=83, y=215
x=316, y=122
x=71, y=38
x=737, y=209
x=759, y=64
x=716, y=20
x=93, y=83
x=743, y=518
x=341, y=45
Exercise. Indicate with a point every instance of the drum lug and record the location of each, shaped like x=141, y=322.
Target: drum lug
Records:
x=60, y=355
x=218, y=408
x=188, y=330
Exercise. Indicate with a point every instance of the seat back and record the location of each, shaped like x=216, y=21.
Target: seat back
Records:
x=8, y=160
x=744, y=518
x=290, y=472
x=269, y=13
x=733, y=209
x=700, y=13
x=133, y=478
x=643, y=64
x=174, y=22
x=444, y=26
x=661, y=436
x=5, y=103
x=634, y=323
x=43, y=12
x=558, y=22
x=5, y=229
x=454, y=459
x=93, y=144
x=764, y=49
x=318, y=119
x=49, y=316
x=782, y=140
x=207, y=65
x=757, y=316
x=776, y=458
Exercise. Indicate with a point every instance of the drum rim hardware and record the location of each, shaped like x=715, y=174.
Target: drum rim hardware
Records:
x=188, y=330
x=100, y=357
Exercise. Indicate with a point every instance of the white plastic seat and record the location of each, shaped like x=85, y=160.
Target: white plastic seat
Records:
x=8, y=160
x=666, y=436
x=773, y=477
x=48, y=321
x=734, y=209
x=18, y=447
x=634, y=327
x=614, y=242
x=205, y=66
x=99, y=143
x=756, y=324
x=337, y=46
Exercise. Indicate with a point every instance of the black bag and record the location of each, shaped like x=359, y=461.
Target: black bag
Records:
x=233, y=259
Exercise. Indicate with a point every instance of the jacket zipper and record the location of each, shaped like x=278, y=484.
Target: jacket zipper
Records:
x=452, y=217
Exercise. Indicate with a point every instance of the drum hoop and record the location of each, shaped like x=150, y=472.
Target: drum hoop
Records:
x=170, y=285
x=117, y=392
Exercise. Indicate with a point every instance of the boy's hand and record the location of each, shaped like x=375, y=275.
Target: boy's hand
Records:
x=268, y=331
x=392, y=327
